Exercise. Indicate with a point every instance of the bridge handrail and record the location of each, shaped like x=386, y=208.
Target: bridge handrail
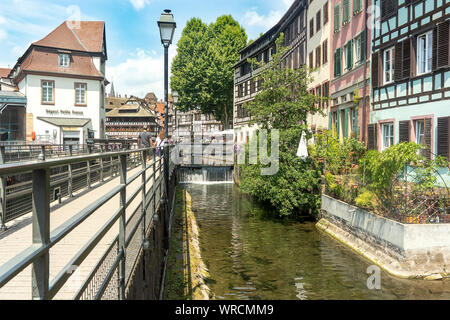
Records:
x=44, y=238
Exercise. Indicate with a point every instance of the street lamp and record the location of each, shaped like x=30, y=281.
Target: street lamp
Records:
x=167, y=27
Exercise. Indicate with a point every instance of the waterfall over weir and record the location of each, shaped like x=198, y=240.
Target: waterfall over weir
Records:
x=205, y=175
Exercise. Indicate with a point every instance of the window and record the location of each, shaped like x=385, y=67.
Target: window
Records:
x=388, y=65
x=325, y=88
x=311, y=28
x=345, y=11
x=318, y=21
x=337, y=18
x=318, y=49
x=325, y=13
x=387, y=130
x=337, y=62
x=311, y=65
x=64, y=60
x=349, y=55
x=80, y=93
x=325, y=51
x=420, y=132
x=48, y=92
x=358, y=57
x=357, y=6
x=424, y=53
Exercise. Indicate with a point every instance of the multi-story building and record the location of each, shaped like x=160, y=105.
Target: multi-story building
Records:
x=350, y=73
x=194, y=122
x=411, y=75
x=129, y=119
x=63, y=78
x=318, y=57
x=12, y=110
x=293, y=25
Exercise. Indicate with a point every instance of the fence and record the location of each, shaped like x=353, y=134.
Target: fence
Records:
x=404, y=202
x=16, y=190
x=112, y=276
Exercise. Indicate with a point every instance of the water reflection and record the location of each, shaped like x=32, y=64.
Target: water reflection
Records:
x=250, y=256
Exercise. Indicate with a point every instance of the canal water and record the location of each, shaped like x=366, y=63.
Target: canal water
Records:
x=251, y=256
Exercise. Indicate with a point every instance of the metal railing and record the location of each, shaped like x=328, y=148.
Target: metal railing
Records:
x=16, y=190
x=111, y=275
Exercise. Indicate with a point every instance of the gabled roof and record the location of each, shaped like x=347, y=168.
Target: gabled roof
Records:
x=85, y=36
x=4, y=72
x=45, y=60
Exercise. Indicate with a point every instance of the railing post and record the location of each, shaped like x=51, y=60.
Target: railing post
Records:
x=2, y=193
x=70, y=183
x=41, y=156
x=89, y=169
x=122, y=224
x=144, y=192
x=41, y=232
x=102, y=149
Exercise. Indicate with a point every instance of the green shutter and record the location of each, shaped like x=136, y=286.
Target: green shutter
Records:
x=330, y=121
x=363, y=46
x=350, y=54
x=338, y=123
x=346, y=10
x=346, y=124
x=338, y=61
x=337, y=22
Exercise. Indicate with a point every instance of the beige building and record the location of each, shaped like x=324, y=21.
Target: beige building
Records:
x=318, y=57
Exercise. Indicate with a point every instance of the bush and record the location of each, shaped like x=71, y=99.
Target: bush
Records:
x=294, y=189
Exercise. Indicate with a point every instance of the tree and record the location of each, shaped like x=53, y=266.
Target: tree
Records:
x=284, y=103
x=188, y=66
x=202, y=71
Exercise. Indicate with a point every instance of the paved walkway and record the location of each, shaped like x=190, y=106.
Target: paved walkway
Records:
x=19, y=237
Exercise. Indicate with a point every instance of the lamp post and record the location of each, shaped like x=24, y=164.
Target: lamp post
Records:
x=175, y=101
x=167, y=27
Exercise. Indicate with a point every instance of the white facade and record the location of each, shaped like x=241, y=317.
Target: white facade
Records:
x=64, y=107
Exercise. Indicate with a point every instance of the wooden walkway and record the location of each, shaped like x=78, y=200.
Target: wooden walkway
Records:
x=19, y=236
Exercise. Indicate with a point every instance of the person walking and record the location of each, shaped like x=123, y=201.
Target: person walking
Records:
x=158, y=142
x=145, y=140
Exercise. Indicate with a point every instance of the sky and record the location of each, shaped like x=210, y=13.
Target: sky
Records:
x=135, y=53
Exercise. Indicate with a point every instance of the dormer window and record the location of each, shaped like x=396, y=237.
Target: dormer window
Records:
x=64, y=60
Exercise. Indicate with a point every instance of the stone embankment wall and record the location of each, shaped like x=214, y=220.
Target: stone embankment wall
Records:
x=403, y=250
x=187, y=274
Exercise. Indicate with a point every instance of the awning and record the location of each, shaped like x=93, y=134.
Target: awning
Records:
x=12, y=98
x=65, y=122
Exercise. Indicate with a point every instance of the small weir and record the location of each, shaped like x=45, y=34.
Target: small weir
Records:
x=205, y=175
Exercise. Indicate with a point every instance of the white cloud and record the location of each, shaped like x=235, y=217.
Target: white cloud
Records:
x=252, y=18
x=139, y=4
x=141, y=73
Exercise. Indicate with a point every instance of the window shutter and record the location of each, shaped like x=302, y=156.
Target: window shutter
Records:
x=434, y=50
x=363, y=46
x=443, y=137
x=375, y=73
x=350, y=49
x=443, y=44
x=427, y=137
x=398, y=61
x=330, y=121
x=346, y=124
x=338, y=124
x=403, y=131
x=406, y=58
x=372, y=137
x=336, y=21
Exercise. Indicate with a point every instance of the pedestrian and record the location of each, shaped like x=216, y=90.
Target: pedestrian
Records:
x=145, y=140
x=158, y=142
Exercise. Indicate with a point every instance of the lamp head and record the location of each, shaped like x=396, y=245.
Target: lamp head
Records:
x=167, y=27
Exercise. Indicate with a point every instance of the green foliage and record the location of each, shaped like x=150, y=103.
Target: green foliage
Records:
x=338, y=158
x=283, y=103
x=284, y=100
x=366, y=199
x=202, y=71
x=293, y=189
